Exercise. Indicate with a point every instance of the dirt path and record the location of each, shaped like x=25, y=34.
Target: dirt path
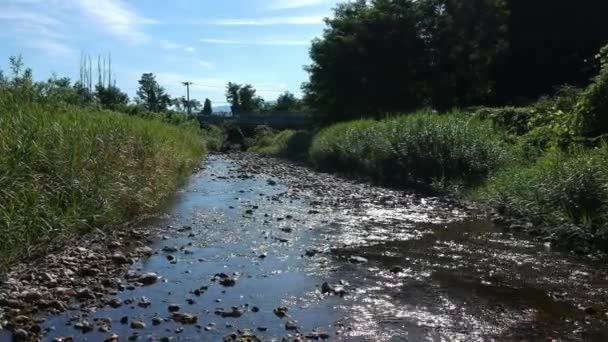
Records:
x=261, y=248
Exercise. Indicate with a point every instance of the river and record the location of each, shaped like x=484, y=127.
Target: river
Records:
x=343, y=260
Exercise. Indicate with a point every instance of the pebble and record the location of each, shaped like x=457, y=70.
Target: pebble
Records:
x=137, y=324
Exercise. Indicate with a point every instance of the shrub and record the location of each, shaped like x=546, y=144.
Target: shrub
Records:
x=592, y=107
x=513, y=120
x=214, y=137
x=559, y=187
x=417, y=148
x=287, y=143
x=65, y=169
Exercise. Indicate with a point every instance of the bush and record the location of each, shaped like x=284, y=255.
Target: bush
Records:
x=417, y=148
x=287, y=143
x=592, y=107
x=513, y=120
x=65, y=169
x=214, y=137
x=559, y=187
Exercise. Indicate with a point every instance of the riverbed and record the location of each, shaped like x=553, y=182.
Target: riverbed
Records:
x=265, y=249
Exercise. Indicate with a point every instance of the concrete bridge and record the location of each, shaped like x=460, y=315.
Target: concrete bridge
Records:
x=252, y=120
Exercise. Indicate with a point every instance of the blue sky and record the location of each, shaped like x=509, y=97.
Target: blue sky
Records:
x=208, y=42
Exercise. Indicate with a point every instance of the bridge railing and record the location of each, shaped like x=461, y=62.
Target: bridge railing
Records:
x=274, y=120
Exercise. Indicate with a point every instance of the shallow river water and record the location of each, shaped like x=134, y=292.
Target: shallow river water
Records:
x=399, y=266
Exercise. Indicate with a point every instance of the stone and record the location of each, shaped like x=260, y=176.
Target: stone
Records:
x=357, y=259
x=397, y=269
x=137, y=324
x=280, y=311
x=148, y=278
x=291, y=325
x=173, y=308
x=120, y=259
x=115, y=303
x=20, y=335
x=84, y=326
x=184, y=318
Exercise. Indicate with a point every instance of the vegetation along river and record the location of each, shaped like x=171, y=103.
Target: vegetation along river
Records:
x=262, y=249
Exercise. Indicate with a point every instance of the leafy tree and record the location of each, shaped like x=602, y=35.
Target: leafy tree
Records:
x=151, y=95
x=181, y=104
x=371, y=60
x=111, y=97
x=551, y=43
x=464, y=42
x=242, y=98
x=207, y=109
x=287, y=102
x=232, y=96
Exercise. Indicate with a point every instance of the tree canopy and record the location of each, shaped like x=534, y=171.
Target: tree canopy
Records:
x=380, y=56
x=242, y=98
x=207, y=109
x=151, y=95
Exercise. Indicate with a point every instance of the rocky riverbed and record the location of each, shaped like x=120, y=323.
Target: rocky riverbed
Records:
x=262, y=249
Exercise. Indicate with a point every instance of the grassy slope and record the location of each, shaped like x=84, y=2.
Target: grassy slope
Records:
x=65, y=169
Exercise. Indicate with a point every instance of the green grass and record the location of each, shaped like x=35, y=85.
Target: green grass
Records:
x=420, y=148
x=287, y=144
x=66, y=169
x=560, y=187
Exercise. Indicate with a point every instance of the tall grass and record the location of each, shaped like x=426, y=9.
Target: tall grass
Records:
x=560, y=187
x=421, y=148
x=65, y=169
x=287, y=144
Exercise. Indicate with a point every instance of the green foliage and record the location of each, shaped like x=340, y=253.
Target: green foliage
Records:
x=207, y=109
x=559, y=187
x=151, y=95
x=287, y=102
x=418, y=148
x=387, y=56
x=65, y=169
x=214, y=137
x=513, y=120
x=66, y=165
x=287, y=143
x=392, y=56
x=111, y=97
x=242, y=98
x=592, y=108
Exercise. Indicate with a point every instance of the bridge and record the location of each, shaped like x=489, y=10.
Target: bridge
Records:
x=252, y=120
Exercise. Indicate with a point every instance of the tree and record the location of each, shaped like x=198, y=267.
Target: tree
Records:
x=242, y=98
x=151, y=95
x=207, y=109
x=370, y=60
x=111, y=97
x=552, y=43
x=287, y=102
x=384, y=56
x=232, y=96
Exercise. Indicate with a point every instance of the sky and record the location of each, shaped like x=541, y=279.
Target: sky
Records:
x=209, y=42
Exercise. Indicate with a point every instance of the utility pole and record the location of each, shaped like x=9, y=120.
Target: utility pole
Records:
x=187, y=84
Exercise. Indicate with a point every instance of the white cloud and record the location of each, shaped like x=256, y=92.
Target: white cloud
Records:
x=206, y=64
x=266, y=21
x=269, y=42
x=116, y=18
x=221, y=41
x=35, y=30
x=289, y=4
x=169, y=45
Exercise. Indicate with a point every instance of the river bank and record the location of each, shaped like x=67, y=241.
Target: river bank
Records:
x=262, y=248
